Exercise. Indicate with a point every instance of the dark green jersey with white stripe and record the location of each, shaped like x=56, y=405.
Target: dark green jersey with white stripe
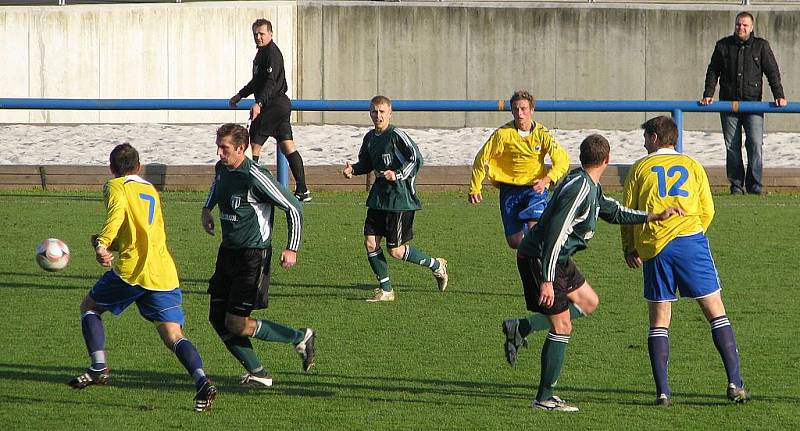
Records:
x=570, y=219
x=391, y=150
x=246, y=197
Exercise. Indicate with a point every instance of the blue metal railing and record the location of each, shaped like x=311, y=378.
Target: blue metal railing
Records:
x=676, y=108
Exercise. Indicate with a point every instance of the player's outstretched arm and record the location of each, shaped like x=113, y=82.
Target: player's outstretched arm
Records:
x=667, y=213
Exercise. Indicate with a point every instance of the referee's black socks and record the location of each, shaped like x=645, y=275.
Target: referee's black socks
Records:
x=298, y=172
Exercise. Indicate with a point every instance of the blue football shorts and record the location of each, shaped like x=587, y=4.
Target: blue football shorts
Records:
x=684, y=265
x=518, y=205
x=115, y=295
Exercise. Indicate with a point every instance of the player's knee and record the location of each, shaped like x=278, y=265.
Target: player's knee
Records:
x=236, y=325
x=562, y=326
x=397, y=252
x=589, y=304
x=370, y=244
x=216, y=316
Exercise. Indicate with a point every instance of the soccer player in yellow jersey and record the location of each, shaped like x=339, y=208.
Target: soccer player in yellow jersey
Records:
x=514, y=159
x=144, y=273
x=674, y=253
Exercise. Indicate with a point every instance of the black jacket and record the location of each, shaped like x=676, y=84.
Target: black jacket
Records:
x=269, y=79
x=739, y=65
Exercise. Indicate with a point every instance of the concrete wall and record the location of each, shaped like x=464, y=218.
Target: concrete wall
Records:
x=354, y=50
x=560, y=51
x=191, y=50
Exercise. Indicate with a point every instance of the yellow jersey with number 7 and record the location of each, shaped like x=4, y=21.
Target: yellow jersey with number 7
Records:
x=663, y=179
x=134, y=227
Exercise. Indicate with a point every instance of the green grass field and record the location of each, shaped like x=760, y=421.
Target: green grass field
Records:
x=429, y=360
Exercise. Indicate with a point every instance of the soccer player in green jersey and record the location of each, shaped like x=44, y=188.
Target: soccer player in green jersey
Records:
x=247, y=196
x=550, y=279
x=395, y=159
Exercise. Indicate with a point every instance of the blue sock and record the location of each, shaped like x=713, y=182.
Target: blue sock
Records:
x=725, y=341
x=187, y=354
x=95, y=338
x=658, y=347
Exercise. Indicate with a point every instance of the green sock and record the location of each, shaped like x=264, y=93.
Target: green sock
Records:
x=552, y=360
x=415, y=255
x=539, y=322
x=271, y=331
x=377, y=261
x=242, y=349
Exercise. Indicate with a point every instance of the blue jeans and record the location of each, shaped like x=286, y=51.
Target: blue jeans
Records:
x=753, y=125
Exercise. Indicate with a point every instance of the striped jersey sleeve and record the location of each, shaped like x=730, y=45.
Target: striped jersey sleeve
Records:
x=570, y=203
x=211, y=197
x=615, y=213
x=270, y=189
x=407, y=154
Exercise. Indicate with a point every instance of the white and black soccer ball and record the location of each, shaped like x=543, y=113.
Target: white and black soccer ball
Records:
x=52, y=254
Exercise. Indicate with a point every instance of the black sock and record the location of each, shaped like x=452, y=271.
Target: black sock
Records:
x=296, y=165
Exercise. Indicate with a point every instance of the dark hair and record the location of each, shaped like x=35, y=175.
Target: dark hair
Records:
x=594, y=150
x=664, y=127
x=237, y=132
x=124, y=160
x=380, y=100
x=261, y=21
x=747, y=14
x=523, y=95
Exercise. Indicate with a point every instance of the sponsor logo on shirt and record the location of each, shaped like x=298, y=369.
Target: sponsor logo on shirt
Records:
x=228, y=217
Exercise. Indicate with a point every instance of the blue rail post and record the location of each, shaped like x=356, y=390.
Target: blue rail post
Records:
x=677, y=116
x=282, y=166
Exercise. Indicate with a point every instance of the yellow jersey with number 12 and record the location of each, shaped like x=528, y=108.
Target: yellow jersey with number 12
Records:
x=660, y=180
x=134, y=227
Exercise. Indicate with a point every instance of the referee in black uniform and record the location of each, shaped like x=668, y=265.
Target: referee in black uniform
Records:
x=270, y=114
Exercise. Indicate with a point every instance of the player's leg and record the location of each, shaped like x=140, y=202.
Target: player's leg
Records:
x=530, y=206
x=583, y=300
x=754, y=136
x=374, y=230
x=165, y=309
x=732, y=133
x=697, y=278
x=659, y=291
x=110, y=293
x=240, y=347
x=552, y=360
x=244, y=290
x=399, y=232
x=658, y=349
x=513, y=227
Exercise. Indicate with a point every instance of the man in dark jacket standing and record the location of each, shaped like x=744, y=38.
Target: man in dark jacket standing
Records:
x=738, y=62
x=271, y=112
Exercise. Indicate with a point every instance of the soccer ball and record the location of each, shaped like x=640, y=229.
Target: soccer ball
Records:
x=52, y=255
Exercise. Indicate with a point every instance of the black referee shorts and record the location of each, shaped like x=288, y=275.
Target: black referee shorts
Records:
x=241, y=279
x=395, y=226
x=274, y=121
x=568, y=278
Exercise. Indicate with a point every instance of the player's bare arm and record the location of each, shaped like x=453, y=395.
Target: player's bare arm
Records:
x=207, y=221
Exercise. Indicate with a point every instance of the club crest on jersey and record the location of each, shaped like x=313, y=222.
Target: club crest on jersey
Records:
x=538, y=148
x=387, y=159
x=269, y=70
x=236, y=201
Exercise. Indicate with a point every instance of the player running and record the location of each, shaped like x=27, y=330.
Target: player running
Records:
x=247, y=196
x=392, y=201
x=144, y=273
x=550, y=279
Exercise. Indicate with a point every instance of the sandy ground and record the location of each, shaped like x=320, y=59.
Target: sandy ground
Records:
x=327, y=144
